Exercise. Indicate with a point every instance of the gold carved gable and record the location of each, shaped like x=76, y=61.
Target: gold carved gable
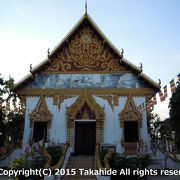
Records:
x=75, y=108
x=41, y=113
x=130, y=113
x=86, y=52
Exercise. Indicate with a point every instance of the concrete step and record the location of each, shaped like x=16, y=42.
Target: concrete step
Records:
x=78, y=162
x=86, y=162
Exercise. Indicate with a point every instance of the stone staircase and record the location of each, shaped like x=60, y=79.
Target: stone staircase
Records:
x=130, y=148
x=78, y=162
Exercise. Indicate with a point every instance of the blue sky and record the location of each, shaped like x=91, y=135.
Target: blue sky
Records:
x=147, y=30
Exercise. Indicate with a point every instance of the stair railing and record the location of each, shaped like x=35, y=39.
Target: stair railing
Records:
x=106, y=159
x=59, y=164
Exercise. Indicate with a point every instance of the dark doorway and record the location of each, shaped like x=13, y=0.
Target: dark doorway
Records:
x=85, y=138
x=131, y=131
x=40, y=131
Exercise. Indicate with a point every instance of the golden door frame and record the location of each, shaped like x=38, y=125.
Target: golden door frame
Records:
x=75, y=108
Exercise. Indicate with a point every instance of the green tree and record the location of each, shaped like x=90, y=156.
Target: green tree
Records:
x=11, y=120
x=160, y=131
x=2, y=113
x=2, y=128
x=175, y=115
x=153, y=123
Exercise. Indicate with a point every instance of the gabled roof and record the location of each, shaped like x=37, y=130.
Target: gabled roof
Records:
x=86, y=17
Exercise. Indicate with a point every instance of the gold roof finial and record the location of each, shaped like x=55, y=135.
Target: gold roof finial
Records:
x=85, y=6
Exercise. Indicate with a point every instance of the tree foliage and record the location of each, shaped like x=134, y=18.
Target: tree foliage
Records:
x=160, y=131
x=175, y=115
x=11, y=119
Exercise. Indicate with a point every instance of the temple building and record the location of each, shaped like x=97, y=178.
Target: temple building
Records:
x=86, y=93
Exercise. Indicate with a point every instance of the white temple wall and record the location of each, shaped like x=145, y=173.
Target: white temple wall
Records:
x=144, y=131
x=58, y=131
x=109, y=128
x=117, y=109
x=112, y=131
x=118, y=130
x=56, y=122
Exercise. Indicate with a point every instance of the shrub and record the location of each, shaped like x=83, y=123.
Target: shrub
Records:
x=55, y=152
x=20, y=162
x=120, y=161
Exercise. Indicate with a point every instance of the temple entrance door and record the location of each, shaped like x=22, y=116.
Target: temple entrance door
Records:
x=85, y=137
x=39, y=131
x=130, y=131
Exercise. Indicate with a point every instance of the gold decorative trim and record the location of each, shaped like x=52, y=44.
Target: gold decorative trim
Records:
x=85, y=115
x=130, y=113
x=23, y=104
x=118, y=92
x=91, y=55
x=23, y=100
x=68, y=41
x=80, y=102
x=58, y=99
x=115, y=99
x=76, y=108
x=109, y=99
x=87, y=72
x=41, y=113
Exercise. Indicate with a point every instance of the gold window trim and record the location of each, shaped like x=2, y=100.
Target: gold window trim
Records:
x=130, y=113
x=41, y=113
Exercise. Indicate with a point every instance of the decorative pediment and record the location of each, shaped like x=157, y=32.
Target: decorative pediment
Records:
x=130, y=113
x=41, y=113
x=85, y=51
x=74, y=109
